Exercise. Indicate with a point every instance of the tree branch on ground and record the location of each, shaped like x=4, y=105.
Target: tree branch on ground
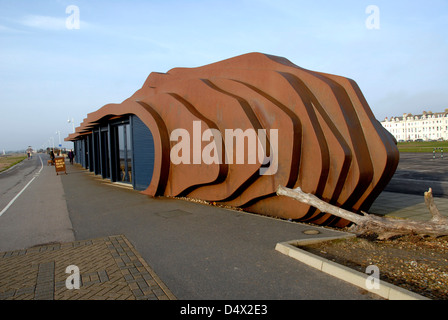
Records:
x=382, y=226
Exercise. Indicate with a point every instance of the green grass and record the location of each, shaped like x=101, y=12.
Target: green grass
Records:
x=7, y=162
x=425, y=146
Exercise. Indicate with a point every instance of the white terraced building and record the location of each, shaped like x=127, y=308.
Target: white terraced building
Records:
x=426, y=126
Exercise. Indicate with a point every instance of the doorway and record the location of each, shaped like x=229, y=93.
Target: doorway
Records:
x=122, y=155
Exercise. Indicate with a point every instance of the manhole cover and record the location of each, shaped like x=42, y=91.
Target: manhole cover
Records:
x=311, y=231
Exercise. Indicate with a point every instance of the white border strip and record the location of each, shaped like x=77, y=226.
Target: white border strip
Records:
x=21, y=191
x=386, y=290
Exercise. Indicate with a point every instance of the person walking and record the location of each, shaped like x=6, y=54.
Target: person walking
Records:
x=52, y=157
x=71, y=155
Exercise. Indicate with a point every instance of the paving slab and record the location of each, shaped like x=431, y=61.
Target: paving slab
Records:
x=107, y=268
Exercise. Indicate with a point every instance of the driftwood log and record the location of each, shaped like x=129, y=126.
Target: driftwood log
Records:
x=383, y=227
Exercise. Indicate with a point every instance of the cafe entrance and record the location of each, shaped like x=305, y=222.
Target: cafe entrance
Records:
x=122, y=152
x=120, y=149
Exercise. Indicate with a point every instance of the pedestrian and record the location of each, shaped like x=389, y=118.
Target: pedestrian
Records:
x=71, y=155
x=52, y=157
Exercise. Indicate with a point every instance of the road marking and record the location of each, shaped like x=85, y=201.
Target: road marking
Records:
x=18, y=195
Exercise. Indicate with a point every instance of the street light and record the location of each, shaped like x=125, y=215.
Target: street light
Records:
x=73, y=124
x=59, y=134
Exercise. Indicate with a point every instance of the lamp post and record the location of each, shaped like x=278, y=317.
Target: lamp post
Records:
x=73, y=124
x=59, y=134
x=72, y=121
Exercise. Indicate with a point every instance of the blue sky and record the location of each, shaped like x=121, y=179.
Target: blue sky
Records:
x=50, y=73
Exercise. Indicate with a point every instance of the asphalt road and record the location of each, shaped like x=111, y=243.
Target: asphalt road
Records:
x=14, y=179
x=32, y=206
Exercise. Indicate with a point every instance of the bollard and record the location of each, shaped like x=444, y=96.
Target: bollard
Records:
x=441, y=153
x=434, y=153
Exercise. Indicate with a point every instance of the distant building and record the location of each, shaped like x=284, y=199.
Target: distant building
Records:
x=426, y=126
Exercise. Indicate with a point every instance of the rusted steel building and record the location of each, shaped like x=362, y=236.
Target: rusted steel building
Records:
x=231, y=132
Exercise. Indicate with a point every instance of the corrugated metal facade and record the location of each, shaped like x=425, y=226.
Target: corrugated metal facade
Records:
x=143, y=154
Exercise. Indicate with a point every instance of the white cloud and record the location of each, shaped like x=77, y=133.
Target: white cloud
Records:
x=48, y=22
x=43, y=22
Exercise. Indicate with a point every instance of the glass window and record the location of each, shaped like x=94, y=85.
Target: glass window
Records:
x=125, y=153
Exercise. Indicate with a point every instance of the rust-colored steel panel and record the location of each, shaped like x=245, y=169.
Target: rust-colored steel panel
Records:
x=318, y=129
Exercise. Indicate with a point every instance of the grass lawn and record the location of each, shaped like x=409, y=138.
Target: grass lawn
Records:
x=10, y=160
x=425, y=146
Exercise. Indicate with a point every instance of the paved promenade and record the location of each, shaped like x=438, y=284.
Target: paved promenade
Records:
x=130, y=247
x=111, y=270
x=406, y=206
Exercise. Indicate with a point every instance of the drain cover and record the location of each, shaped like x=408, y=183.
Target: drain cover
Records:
x=311, y=231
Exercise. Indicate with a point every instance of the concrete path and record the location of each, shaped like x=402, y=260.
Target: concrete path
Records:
x=199, y=251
